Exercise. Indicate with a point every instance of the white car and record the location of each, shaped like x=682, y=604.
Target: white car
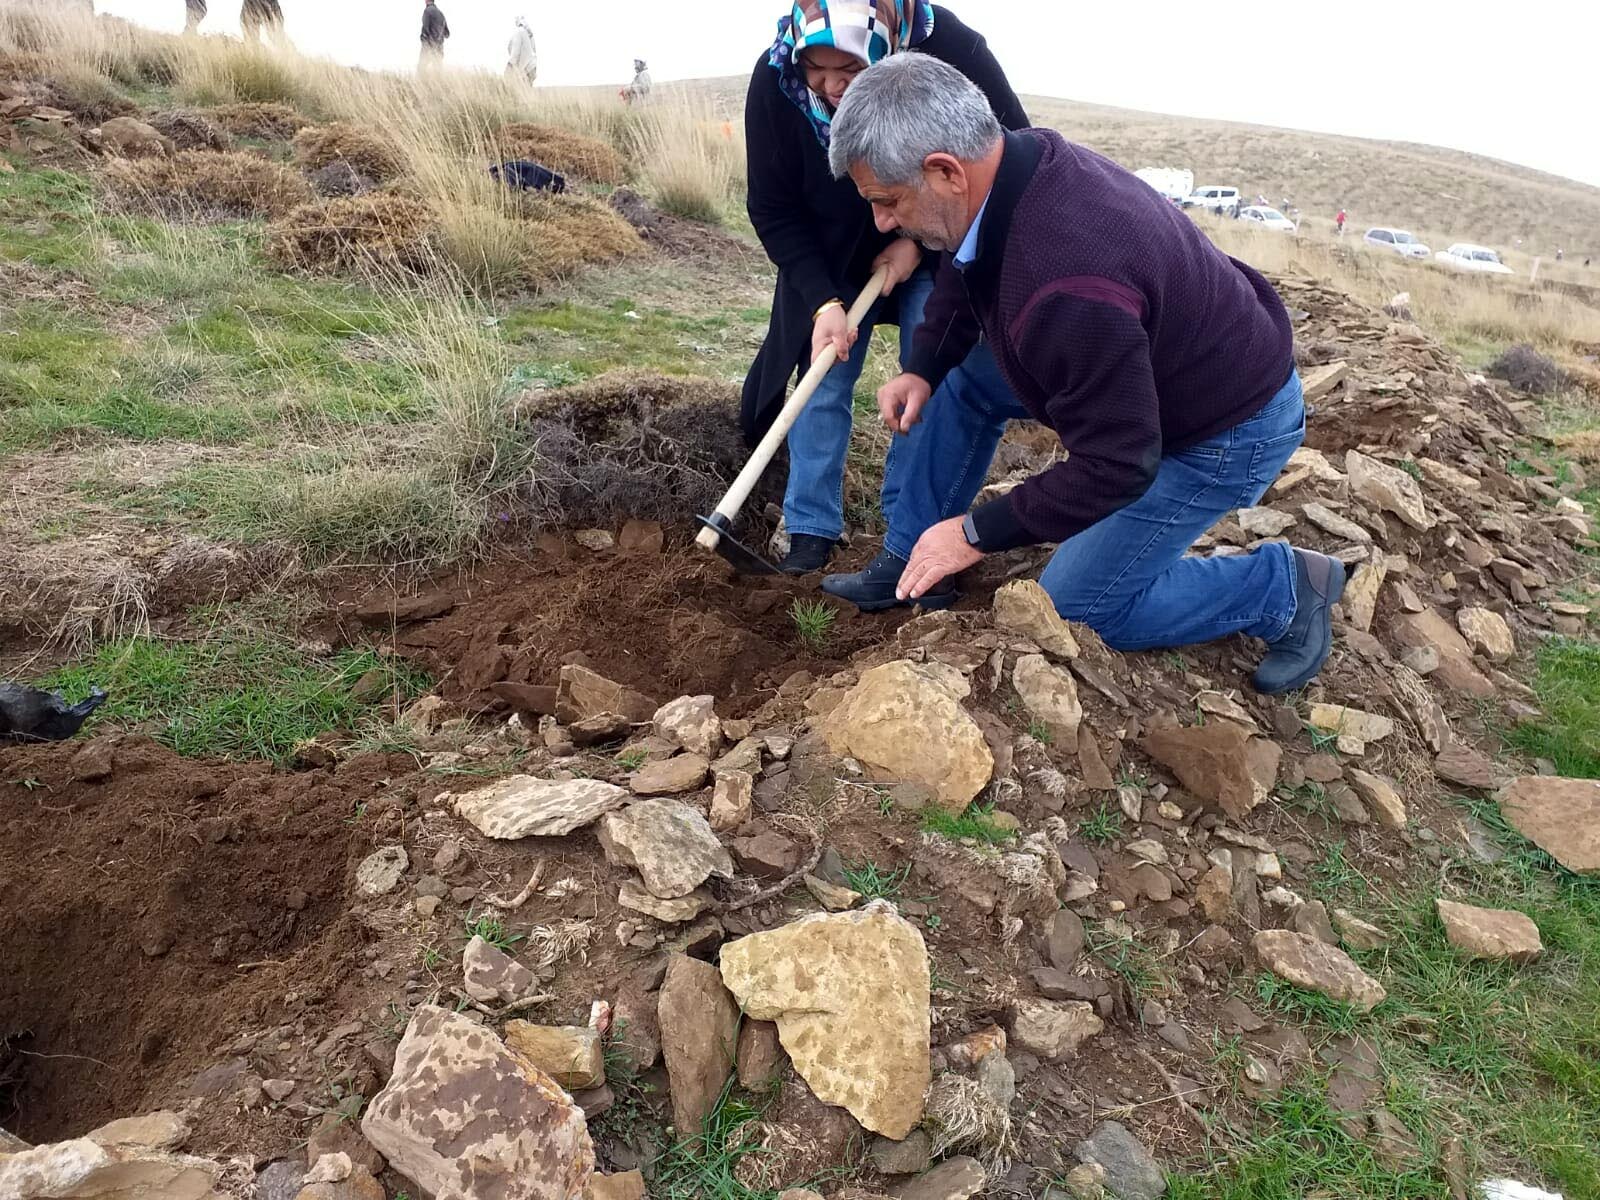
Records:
x=1267, y=218
x=1464, y=256
x=1172, y=182
x=1398, y=240
x=1214, y=199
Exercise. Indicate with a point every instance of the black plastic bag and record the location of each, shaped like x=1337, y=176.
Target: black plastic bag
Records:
x=30, y=715
x=524, y=175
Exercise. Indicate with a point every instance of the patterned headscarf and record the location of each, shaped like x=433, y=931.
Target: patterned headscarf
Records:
x=869, y=29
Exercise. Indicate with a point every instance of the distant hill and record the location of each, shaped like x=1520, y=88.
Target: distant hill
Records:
x=1441, y=195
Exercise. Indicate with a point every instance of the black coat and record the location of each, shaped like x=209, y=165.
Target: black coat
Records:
x=817, y=229
x=434, y=27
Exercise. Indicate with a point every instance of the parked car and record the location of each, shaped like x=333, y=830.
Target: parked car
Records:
x=1464, y=256
x=1172, y=182
x=1215, y=199
x=1267, y=218
x=1398, y=240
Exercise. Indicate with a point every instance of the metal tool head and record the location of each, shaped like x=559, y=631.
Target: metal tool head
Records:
x=743, y=559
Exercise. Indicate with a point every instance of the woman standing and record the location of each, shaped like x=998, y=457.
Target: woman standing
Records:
x=821, y=235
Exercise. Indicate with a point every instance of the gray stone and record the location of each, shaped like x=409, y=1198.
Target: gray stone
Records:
x=1132, y=1173
x=956, y=1178
x=1065, y=944
x=280, y=1179
x=699, y=1038
x=523, y=806
x=669, y=843
x=908, y=1157
x=381, y=870
x=690, y=722
x=490, y=975
x=465, y=1116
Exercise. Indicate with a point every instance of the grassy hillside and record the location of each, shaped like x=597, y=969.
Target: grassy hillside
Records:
x=1443, y=195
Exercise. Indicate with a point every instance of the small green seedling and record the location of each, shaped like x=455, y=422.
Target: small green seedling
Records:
x=813, y=621
x=492, y=930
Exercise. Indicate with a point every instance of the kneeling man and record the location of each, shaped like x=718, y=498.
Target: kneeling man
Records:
x=1165, y=367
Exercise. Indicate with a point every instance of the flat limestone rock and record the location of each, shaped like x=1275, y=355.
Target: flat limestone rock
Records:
x=731, y=799
x=691, y=722
x=1264, y=522
x=956, y=1178
x=465, y=1116
x=1560, y=816
x=1430, y=628
x=670, y=776
x=699, y=1038
x=523, y=806
x=1024, y=608
x=669, y=843
x=570, y=1054
x=585, y=693
x=1490, y=932
x=83, y=1167
x=675, y=911
x=1309, y=963
x=1486, y=632
x=1049, y=693
x=1387, y=488
x=1382, y=800
x=1131, y=1171
x=1361, y=725
x=1466, y=766
x=849, y=992
x=1053, y=1028
x=381, y=871
x=1360, y=598
x=491, y=976
x=1219, y=762
x=1325, y=518
x=904, y=721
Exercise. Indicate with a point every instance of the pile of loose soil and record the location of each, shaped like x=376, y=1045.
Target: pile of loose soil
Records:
x=676, y=237
x=356, y=233
x=561, y=150
x=1525, y=369
x=316, y=146
x=190, y=130
x=202, y=185
x=260, y=119
x=631, y=444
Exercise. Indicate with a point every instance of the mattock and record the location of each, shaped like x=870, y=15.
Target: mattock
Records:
x=717, y=531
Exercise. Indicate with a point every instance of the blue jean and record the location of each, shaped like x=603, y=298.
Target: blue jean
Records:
x=819, y=441
x=1127, y=577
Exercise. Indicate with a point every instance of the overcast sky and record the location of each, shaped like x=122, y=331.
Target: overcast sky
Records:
x=1516, y=81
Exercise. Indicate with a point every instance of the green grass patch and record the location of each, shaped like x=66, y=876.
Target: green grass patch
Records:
x=45, y=216
x=590, y=339
x=705, y=1165
x=1567, y=681
x=234, y=694
x=977, y=823
x=875, y=882
x=1103, y=826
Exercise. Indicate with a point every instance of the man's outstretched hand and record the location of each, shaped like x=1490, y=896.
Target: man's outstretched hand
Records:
x=900, y=401
x=941, y=551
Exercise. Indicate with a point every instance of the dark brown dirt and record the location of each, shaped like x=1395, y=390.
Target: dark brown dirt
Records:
x=669, y=624
x=678, y=237
x=134, y=904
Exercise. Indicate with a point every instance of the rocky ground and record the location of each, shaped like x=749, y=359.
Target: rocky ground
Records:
x=640, y=901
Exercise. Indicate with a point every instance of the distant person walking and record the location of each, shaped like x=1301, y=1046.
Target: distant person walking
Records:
x=522, y=56
x=641, y=86
x=259, y=17
x=194, y=11
x=1338, y=222
x=435, y=29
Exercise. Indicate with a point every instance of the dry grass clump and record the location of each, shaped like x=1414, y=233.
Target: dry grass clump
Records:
x=368, y=152
x=204, y=185
x=266, y=120
x=190, y=130
x=630, y=443
x=572, y=232
x=561, y=150
x=223, y=71
x=380, y=231
x=89, y=96
x=692, y=165
x=17, y=66
x=1525, y=369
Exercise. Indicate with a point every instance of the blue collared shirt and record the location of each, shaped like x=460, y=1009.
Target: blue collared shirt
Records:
x=968, y=250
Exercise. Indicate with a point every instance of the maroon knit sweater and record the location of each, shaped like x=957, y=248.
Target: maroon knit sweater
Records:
x=1114, y=321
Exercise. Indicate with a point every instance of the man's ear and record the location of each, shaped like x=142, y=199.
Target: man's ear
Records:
x=946, y=173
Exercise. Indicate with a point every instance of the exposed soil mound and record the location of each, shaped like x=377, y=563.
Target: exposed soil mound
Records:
x=339, y=179
x=317, y=146
x=203, y=185
x=676, y=237
x=1525, y=369
x=561, y=150
x=265, y=120
x=189, y=130
x=632, y=444
x=380, y=229
x=123, y=986
x=573, y=232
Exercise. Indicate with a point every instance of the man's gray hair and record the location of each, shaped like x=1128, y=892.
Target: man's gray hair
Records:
x=905, y=108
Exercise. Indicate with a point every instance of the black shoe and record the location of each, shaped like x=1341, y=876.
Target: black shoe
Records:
x=1294, y=659
x=807, y=553
x=872, y=590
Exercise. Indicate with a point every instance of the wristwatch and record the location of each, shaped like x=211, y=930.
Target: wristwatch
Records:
x=970, y=528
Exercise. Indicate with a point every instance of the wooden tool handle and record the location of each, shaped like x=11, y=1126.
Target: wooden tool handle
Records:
x=744, y=483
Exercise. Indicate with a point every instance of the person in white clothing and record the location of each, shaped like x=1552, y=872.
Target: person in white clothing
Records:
x=522, y=57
